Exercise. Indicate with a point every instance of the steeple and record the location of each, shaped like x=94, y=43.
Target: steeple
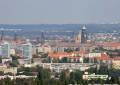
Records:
x=84, y=28
x=82, y=36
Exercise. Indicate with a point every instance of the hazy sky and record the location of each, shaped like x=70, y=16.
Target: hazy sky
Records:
x=59, y=11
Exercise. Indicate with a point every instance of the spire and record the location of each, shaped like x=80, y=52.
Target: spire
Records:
x=84, y=28
x=82, y=36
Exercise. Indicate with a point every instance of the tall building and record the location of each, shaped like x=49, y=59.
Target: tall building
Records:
x=42, y=38
x=27, y=50
x=82, y=36
x=5, y=50
x=2, y=36
x=38, y=40
x=15, y=37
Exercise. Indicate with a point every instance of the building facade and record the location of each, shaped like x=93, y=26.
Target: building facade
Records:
x=5, y=50
x=27, y=50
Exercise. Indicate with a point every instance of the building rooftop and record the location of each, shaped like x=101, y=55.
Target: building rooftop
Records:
x=76, y=54
x=109, y=44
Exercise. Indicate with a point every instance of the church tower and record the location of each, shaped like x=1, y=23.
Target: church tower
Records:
x=82, y=36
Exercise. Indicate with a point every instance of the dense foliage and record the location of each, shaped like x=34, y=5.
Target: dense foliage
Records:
x=64, y=78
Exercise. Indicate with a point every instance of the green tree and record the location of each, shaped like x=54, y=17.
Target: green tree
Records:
x=14, y=62
x=64, y=60
x=8, y=81
x=55, y=60
x=78, y=76
x=43, y=75
x=40, y=77
x=64, y=78
x=72, y=78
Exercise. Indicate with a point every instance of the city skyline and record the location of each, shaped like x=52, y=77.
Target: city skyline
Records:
x=59, y=42
x=59, y=11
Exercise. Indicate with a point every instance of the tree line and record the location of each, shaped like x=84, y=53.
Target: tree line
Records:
x=46, y=77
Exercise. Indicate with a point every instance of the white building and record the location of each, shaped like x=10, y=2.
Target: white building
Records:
x=94, y=76
x=27, y=50
x=5, y=50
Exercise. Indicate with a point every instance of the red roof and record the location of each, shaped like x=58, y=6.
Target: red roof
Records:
x=104, y=57
x=109, y=44
x=116, y=58
x=69, y=45
x=65, y=54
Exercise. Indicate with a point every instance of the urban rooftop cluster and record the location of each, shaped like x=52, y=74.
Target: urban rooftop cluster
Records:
x=82, y=52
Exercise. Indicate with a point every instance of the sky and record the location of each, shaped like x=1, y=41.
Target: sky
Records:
x=59, y=11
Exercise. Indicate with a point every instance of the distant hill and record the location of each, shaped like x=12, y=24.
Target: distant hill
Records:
x=35, y=29
x=63, y=27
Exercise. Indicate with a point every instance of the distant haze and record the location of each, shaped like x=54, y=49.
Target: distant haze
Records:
x=59, y=11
